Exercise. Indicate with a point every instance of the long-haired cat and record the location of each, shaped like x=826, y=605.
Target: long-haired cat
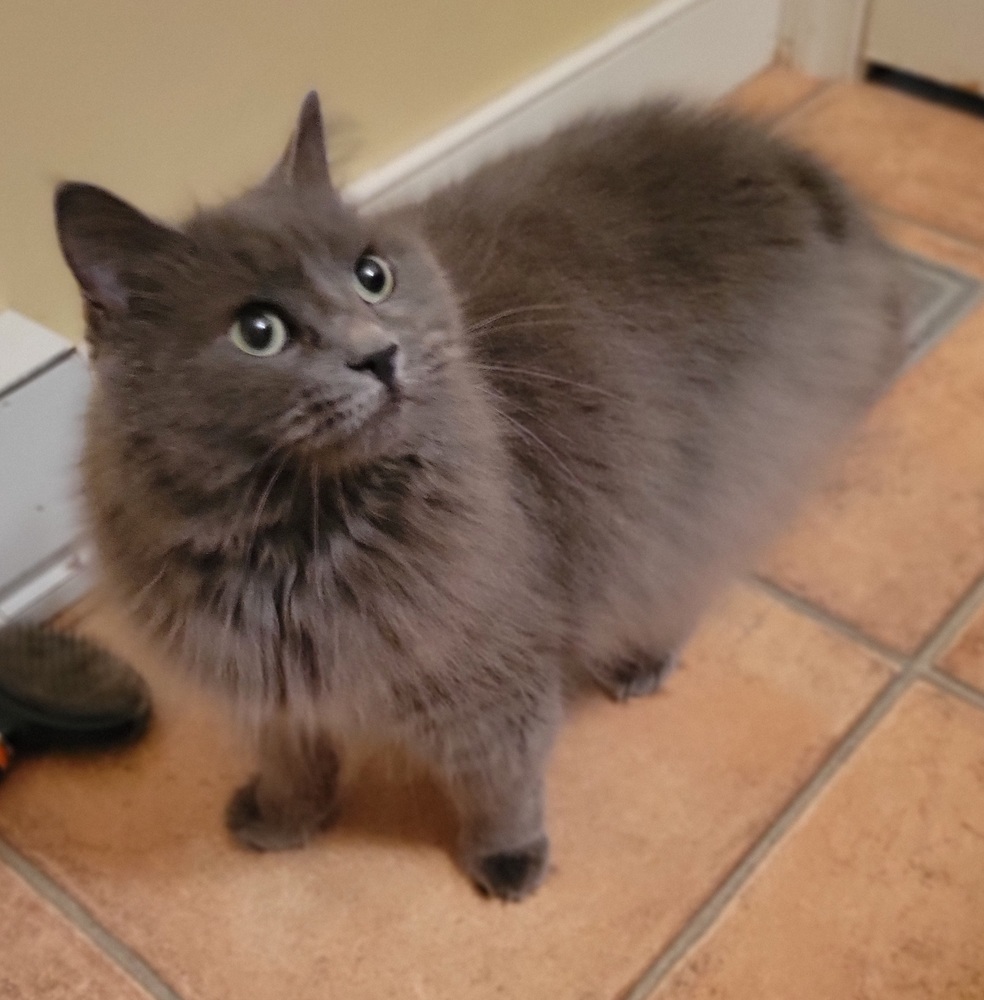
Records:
x=415, y=477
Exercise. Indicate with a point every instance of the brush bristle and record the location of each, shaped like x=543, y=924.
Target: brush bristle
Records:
x=54, y=672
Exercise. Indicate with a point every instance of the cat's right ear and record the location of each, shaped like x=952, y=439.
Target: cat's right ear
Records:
x=304, y=163
x=104, y=240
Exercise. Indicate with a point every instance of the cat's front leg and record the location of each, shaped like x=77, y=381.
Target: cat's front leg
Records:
x=293, y=795
x=496, y=776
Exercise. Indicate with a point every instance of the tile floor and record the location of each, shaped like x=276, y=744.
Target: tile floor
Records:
x=800, y=814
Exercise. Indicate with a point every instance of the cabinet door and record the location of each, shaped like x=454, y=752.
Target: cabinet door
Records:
x=939, y=39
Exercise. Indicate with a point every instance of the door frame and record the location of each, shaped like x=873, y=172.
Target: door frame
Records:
x=824, y=37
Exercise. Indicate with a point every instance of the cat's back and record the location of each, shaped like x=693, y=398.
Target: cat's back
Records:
x=669, y=238
x=677, y=314
x=661, y=196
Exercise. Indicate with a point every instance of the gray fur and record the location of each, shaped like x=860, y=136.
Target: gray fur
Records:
x=622, y=354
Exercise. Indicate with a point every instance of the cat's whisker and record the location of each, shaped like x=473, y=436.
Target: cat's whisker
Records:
x=344, y=514
x=255, y=480
x=265, y=496
x=315, y=505
x=536, y=439
x=343, y=511
x=560, y=324
x=526, y=432
x=486, y=321
x=545, y=376
x=514, y=405
x=527, y=308
x=540, y=418
x=135, y=600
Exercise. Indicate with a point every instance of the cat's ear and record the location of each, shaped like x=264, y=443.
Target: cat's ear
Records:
x=305, y=160
x=103, y=240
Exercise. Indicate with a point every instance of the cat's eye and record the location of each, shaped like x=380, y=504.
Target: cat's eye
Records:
x=259, y=331
x=373, y=278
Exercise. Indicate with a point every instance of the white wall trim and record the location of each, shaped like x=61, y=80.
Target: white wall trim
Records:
x=25, y=348
x=824, y=37
x=696, y=48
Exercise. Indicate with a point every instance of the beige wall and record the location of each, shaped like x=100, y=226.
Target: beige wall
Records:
x=166, y=101
x=941, y=39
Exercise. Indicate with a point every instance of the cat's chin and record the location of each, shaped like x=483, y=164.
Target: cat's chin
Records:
x=358, y=437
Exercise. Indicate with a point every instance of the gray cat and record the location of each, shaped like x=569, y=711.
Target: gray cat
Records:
x=417, y=477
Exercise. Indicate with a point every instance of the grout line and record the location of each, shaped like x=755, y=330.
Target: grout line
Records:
x=964, y=242
x=920, y=667
x=800, y=106
x=712, y=908
x=957, y=687
x=828, y=620
x=949, y=628
x=82, y=920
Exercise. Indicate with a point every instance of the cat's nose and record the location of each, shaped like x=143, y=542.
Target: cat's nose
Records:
x=381, y=363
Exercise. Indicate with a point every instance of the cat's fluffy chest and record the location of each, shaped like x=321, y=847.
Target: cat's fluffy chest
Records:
x=306, y=589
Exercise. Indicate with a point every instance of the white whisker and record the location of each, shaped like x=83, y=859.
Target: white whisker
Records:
x=265, y=496
x=545, y=376
x=530, y=435
x=486, y=321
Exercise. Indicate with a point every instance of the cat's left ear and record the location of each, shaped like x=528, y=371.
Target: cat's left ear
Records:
x=108, y=243
x=305, y=160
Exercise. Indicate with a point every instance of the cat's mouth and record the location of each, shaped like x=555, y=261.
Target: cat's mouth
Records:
x=352, y=423
x=369, y=415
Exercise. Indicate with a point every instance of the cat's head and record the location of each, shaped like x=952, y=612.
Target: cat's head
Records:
x=281, y=320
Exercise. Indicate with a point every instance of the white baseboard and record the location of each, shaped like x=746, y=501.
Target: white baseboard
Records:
x=695, y=48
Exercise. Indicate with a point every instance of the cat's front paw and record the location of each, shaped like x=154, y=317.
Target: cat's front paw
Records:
x=274, y=826
x=510, y=875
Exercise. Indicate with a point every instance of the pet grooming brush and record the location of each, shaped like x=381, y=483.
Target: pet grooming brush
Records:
x=59, y=692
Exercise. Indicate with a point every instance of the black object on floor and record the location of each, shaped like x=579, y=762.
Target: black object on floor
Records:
x=926, y=89
x=59, y=692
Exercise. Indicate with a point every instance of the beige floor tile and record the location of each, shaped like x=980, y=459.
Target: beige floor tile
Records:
x=916, y=158
x=42, y=957
x=965, y=659
x=650, y=805
x=897, y=534
x=771, y=93
x=878, y=893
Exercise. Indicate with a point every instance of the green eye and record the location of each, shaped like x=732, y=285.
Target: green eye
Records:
x=373, y=278
x=259, y=331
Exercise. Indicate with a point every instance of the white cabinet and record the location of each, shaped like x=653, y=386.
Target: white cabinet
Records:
x=44, y=383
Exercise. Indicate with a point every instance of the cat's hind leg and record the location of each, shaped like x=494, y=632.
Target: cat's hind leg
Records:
x=629, y=647
x=293, y=795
